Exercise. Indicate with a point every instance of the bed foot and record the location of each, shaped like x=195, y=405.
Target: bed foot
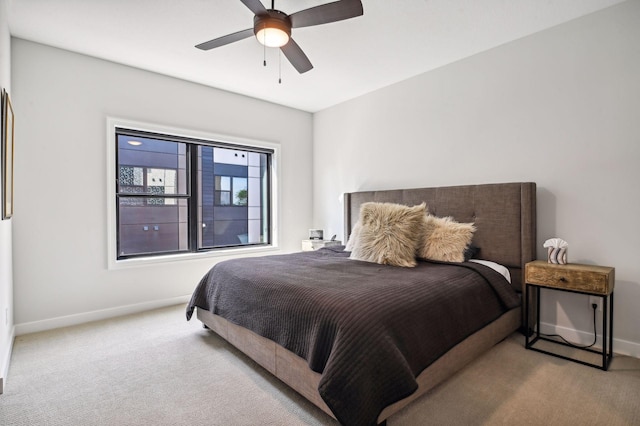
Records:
x=205, y=326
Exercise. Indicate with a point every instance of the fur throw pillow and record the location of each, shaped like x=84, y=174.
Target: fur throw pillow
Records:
x=445, y=239
x=389, y=233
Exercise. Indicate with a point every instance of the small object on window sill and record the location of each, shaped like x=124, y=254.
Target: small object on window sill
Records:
x=311, y=245
x=316, y=234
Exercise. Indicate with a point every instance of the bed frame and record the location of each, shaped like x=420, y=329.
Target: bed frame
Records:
x=505, y=217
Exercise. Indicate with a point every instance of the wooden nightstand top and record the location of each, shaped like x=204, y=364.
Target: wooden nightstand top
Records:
x=592, y=279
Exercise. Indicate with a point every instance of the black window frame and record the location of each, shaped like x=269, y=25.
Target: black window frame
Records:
x=191, y=194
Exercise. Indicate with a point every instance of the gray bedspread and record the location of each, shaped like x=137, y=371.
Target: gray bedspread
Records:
x=369, y=329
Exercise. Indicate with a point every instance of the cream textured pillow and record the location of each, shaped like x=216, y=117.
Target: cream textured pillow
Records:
x=445, y=239
x=389, y=233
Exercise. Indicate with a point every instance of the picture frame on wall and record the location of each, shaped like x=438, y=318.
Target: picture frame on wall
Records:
x=7, y=155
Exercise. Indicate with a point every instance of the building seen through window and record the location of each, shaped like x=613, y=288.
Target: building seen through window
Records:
x=237, y=181
x=177, y=195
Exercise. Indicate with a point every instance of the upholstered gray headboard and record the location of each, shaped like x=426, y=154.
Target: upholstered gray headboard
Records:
x=504, y=215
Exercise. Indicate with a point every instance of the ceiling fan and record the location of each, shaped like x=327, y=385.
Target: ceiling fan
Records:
x=272, y=27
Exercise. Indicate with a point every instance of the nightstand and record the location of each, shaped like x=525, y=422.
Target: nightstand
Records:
x=310, y=245
x=575, y=278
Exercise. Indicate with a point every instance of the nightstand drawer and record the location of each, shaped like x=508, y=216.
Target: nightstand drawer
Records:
x=572, y=276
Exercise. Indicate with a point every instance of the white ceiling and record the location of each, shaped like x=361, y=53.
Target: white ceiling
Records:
x=392, y=41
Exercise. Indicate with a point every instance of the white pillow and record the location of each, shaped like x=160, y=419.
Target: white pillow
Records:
x=355, y=232
x=495, y=266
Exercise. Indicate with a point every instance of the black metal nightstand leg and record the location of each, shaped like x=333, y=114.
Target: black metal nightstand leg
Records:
x=525, y=301
x=537, y=312
x=531, y=334
x=605, y=341
x=610, y=329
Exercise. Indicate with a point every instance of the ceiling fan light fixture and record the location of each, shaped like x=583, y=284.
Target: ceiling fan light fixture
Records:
x=272, y=37
x=272, y=30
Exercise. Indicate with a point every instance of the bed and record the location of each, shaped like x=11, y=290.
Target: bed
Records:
x=364, y=372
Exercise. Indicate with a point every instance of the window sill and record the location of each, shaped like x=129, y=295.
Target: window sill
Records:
x=155, y=260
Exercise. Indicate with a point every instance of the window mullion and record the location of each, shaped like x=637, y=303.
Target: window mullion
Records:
x=192, y=170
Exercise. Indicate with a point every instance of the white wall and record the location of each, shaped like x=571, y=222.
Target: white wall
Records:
x=62, y=100
x=560, y=108
x=6, y=279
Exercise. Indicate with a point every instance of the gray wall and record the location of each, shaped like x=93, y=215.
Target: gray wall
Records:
x=62, y=100
x=6, y=279
x=560, y=108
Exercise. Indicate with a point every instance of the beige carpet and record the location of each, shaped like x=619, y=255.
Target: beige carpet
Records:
x=156, y=368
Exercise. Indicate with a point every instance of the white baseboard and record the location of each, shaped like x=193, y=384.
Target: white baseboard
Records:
x=5, y=360
x=621, y=347
x=67, y=320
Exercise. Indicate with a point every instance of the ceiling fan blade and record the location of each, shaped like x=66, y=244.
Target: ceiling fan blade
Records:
x=325, y=13
x=229, y=38
x=296, y=56
x=255, y=6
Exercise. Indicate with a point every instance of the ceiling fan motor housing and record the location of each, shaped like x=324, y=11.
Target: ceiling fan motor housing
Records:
x=273, y=19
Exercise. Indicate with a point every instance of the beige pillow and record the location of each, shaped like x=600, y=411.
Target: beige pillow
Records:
x=389, y=233
x=445, y=239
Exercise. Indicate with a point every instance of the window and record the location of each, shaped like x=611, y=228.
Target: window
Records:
x=177, y=194
x=227, y=185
